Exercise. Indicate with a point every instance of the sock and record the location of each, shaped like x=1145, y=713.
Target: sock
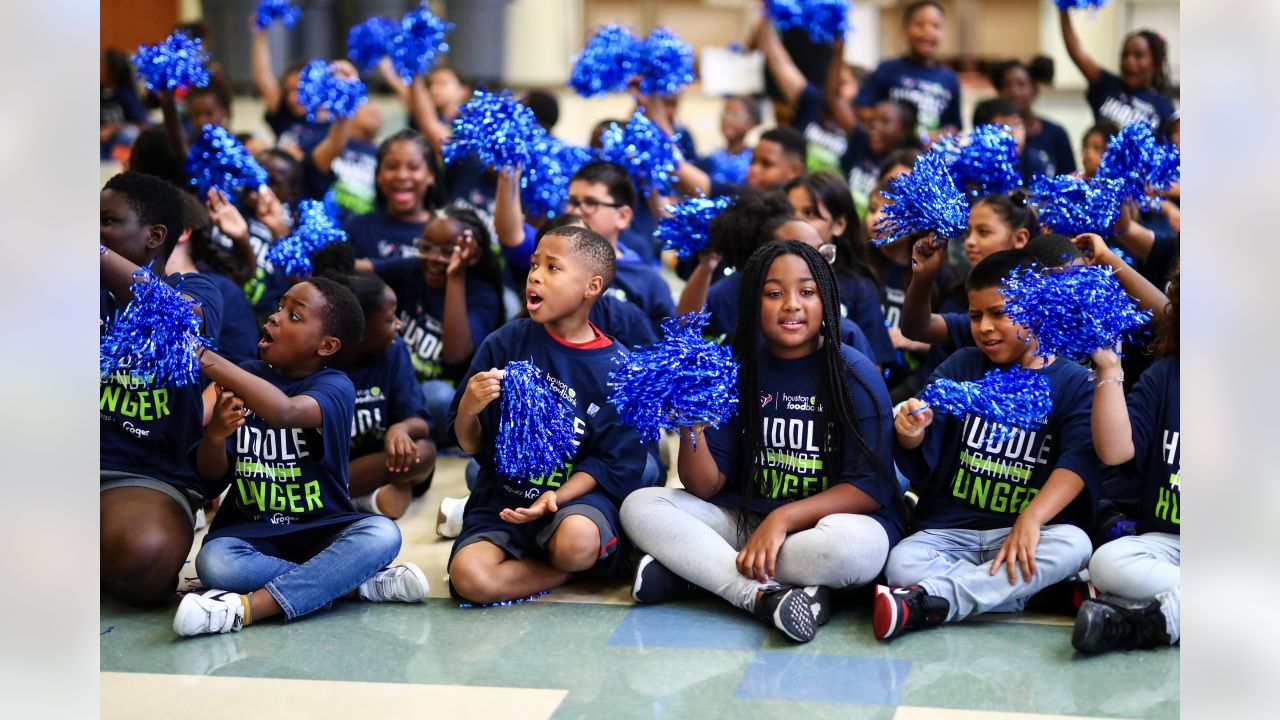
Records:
x=1170, y=606
x=248, y=609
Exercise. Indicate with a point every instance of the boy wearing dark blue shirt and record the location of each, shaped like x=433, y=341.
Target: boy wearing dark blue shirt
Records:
x=1022, y=500
x=287, y=539
x=524, y=535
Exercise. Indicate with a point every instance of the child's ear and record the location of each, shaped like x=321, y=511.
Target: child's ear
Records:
x=625, y=213
x=1020, y=237
x=838, y=227
x=595, y=286
x=329, y=345
x=156, y=235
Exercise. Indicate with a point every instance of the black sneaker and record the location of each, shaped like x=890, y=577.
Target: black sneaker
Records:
x=897, y=611
x=654, y=583
x=819, y=599
x=789, y=609
x=1103, y=626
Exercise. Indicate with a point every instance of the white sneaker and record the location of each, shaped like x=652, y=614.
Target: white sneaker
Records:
x=209, y=611
x=401, y=583
x=449, y=518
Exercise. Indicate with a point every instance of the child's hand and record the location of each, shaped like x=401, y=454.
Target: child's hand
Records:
x=344, y=70
x=401, y=450
x=228, y=414
x=758, y=558
x=460, y=260
x=226, y=216
x=1094, y=248
x=545, y=504
x=1128, y=215
x=911, y=427
x=927, y=255
x=1105, y=359
x=694, y=435
x=709, y=258
x=902, y=342
x=271, y=213
x=482, y=389
x=1019, y=550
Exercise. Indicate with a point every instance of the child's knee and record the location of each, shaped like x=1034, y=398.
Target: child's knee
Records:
x=1068, y=545
x=1105, y=571
x=905, y=564
x=473, y=578
x=575, y=545
x=380, y=535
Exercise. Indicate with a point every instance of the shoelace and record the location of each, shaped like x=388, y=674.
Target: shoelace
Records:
x=387, y=579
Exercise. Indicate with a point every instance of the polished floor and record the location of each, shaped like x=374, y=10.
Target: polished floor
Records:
x=587, y=652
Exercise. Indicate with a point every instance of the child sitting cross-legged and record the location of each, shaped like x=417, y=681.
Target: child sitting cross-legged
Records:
x=998, y=518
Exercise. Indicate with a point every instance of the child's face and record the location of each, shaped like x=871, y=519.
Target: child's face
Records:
x=294, y=336
x=446, y=91
x=1137, y=67
x=770, y=166
x=440, y=239
x=1016, y=128
x=592, y=202
x=283, y=179
x=1091, y=155
x=290, y=89
x=875, y=211
x=205, y=109
x=989, y=233
x=816, y=214
x=790, y=308
x=558, y=282
x=924, y=32
x=1000, y=339
x=123, y=232
x=382, y=325
x=404, y=177
x=1019, y=89
x=735, y=121
x=885, y=131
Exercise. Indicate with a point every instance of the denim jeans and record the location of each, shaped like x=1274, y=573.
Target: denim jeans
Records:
x=356, y=552
x=438, y=395
x=955, y=565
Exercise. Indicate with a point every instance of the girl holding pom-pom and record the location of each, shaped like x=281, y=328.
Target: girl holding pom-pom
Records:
x=1138, y=93
x=770, y=519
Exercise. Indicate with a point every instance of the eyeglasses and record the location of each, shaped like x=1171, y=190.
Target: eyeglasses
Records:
x=589, y=205
x=828, y=252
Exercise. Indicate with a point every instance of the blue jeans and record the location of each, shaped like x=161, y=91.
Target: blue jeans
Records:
x=356, y=552
x=438, y=395
x=956, y=565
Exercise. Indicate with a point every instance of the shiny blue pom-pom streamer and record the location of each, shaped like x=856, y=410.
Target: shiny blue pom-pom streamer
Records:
x=679, y=381
x=1071, y=311
x=1072, y=206
x=217, y=159
x=418, y=42
x=319, y=89
x=496, y=129
x=685, y=231
x=178, y=62
x=925, y=199
x=1079, y=4
x=607, y=63
x=1138, y=160
x=330, y=204
x=644, y=150
x=1008, y=398
x=535, y=432
x=154, y=340
x=666, y=63
x=544, y=184
x=822, y=20
x=271, y=10
x=370, y=41
x=314, y=230
x=983, y=162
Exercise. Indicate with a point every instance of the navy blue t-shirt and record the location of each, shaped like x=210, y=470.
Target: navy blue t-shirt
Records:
x=289, y=481
x=860, y=302
x=860, y=166
x=722, y=303
x=1111, y=101
x=1156, y=421
x=267, y=285
x=622, y=321
x=642, y=246
x=825, y=145
x=386, y=393
x=154, y=432
x=351, y=175
x=376, y=235
x=960, y=327
x=934, y=90
x=421, y=311
x=611, y=452
x=797, y=440
x=1053, y=147
x=640, y=283
x=466, y=179
x=965, y=480
x=292, y=129
x=238, y=339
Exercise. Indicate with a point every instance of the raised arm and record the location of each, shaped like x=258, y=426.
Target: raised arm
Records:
x=328, y=150
x=1132, y=235
x=918, y=320
x=1096, y=252
x=262, y=397
x=173, y=129
x=508, y=211
x=227, y=218
x=1112, y=432
x=782, y=68
x=263, y=76
x=1087, y=66
x=694, y=294
x=424, y=114
x=393, y=79
x=841, y=112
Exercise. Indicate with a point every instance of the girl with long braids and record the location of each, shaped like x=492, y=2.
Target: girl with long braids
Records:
x=795, y=495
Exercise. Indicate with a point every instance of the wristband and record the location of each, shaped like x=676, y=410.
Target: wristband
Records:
x=102, y=249
x=1097, y=383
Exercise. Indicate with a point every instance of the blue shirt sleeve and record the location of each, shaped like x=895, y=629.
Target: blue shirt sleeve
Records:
x=336, y=396
x=863, y=303
x=875, y=424
x=873, y=89
x=960, y=329
x=1144, y=409
x=1073, y=407
x=852, y=335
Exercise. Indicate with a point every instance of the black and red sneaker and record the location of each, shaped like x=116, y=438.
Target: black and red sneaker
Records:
x=897, y=611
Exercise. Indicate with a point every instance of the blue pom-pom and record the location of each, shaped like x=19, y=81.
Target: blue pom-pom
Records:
x=496, y=129
x=983, y=162
x=686, y=230
x=1139, y=161
x=1008, y=398
x=319, y=89
x=666, y=63
x=418, y=42
x=504, y=603
x=680, y=381
x=155, y=339
x=178, y=62
x=271, y=10
x=1079, y=4
x=217, y=159
x=535, y=433
x=314, y=230
x=925, y=199
x=544, y=184
x=822, y=20
x=607, y=63
x=1072, y=206
x=645, y=151
x=330, y=204
x=1071, y=311
x=370, y=41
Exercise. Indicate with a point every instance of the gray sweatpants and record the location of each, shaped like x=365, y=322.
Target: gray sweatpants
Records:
x=1142, y=567
x=699, y=542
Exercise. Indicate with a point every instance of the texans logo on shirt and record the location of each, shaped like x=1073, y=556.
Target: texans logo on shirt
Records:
x=765, y=400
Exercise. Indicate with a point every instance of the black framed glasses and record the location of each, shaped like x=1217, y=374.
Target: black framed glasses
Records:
x=589, y=205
